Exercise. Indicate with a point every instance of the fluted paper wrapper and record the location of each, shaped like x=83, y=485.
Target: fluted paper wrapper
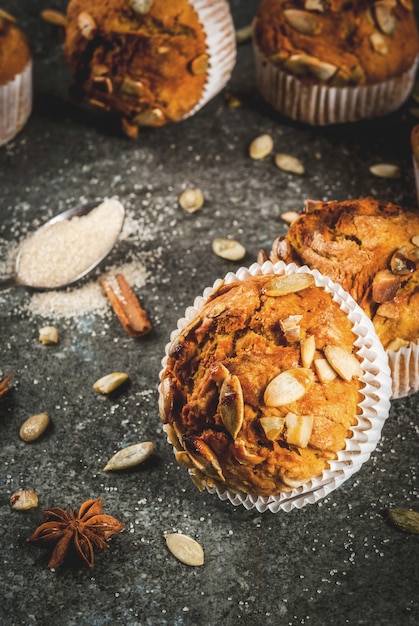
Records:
x=217, y=22
x=320, y=105
x=373, y=407
x=404, y=367
x=15, y=104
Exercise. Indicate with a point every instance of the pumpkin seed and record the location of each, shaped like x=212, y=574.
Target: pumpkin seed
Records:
x=150, y=117
x=302, y=21
x=191, y=200
x=405, y=519
x=185, y=549
x=385, y=170
x=231, y=405
x=385, y=19
x=379, y=44
x=288, y=163
x=53, y=17
x=130, y=456
x=229, y=249
x=23, y=500
x=289, y=216
x=110, y=382
x=314, y=5
x=141, y=6
x=86, y=24
x=200, y=64
x=244, y=34
x=261, y=146
x=34, y=427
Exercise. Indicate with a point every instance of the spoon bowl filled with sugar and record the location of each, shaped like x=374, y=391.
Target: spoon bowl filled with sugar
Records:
x=68, y=246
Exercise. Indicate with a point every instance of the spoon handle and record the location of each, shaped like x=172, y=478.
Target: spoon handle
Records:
x=6, y=283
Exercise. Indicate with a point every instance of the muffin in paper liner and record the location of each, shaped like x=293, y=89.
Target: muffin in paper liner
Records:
x=15, y=104
x=414, y=140
x=321, y=105
x=373, y=407
x=174, y=59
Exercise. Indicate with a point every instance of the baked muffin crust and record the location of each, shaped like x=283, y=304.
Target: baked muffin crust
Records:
x=14, y=50
x=338, y=42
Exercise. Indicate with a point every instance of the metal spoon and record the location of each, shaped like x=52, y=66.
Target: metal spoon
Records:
x=79, y=211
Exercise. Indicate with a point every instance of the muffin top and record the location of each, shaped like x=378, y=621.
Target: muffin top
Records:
x=14, y=49
x=339, y=42
x=371, y=248
x=145, y=59
x=260, y=390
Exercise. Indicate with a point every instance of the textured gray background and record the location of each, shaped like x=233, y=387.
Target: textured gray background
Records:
x=337, y=562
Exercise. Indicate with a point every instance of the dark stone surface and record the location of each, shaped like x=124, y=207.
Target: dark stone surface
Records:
x=337, y=562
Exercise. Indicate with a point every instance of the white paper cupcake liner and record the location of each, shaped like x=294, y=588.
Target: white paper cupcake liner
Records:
x=217, y=21
x=404, y=367
x=373, y=408
x=15, y=104
x=321, y=105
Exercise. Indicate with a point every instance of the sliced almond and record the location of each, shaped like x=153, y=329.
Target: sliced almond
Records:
x=402, y=263
x=288, y=283
x=302, y=21
x=343, y=362
x=86, y=25
x=324, y=371
x=131, y=456
x=289, y=386
x=308, y=350
x=228, y=249
x=198, y=478
x=185, y=549
x=385, y=286
x=260, y=147
x=48, y=334
x=385, y=170
x=23, y=500
x=231, y=405
x=303, y=64
x=299, y=429
x=4, y=15
x=132, y=87
x=290, y=326
x=272, y=426
x=280, y=249
x=288, y=163
x=415, y=240
x=390, y=310
x=397, y=344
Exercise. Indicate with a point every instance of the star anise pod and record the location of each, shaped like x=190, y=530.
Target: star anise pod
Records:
x=80, y=533
x=4, y=385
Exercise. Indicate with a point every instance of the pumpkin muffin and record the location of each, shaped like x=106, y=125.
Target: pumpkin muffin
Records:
x=149, y=61
x=15, y=78
x=261, y=388
x=332, y=62
x=371, y=248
